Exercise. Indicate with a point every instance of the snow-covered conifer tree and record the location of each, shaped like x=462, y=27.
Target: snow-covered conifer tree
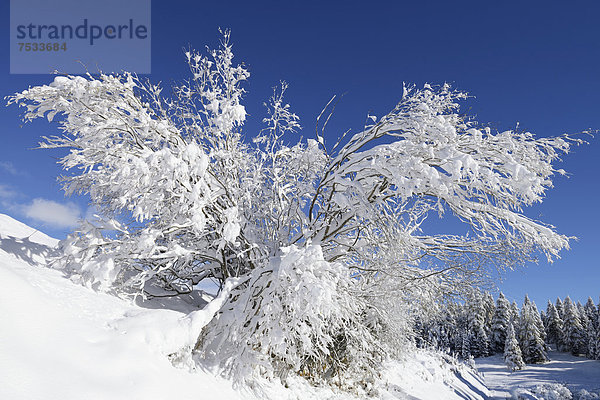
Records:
x=490, y=307
x=512, y=352
x=543, y=318
x=465, y=344
x=591, y=311
x=447, y=331
x=539, y=322
x=554, y=327
x=532, y=345
x=590, y=335
x=575, y=338
x=476, y=323
x=596, y=339
x=583, y=316
x=500, y=322
x=560, y=308
x=514, y=315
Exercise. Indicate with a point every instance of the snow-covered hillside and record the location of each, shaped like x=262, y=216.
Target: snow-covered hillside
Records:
x=60, y=340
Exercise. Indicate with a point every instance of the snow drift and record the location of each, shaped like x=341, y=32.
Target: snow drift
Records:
x=61, y=340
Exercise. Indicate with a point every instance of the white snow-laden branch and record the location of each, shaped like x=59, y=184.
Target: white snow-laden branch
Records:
x=422, y=158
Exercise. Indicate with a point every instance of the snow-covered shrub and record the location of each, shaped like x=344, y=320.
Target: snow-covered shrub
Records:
x=183, y=196
x=546, y=391
x=296, y=314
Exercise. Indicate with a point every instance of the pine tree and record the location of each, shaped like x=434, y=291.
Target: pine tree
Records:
x=596, y=355
x=514, y=315
x=512, y=353
x=476, y=321
x=480, y=342
x=444, y=336
x=461, y=340
x=490, y=307
x=591, y=336
x=582, y=314
x=560, y=308
x=554, y=328
x=530, y=336
x=464, y=350
x=544, y=317
x=573, y=329
x=451, y=330
x=500, y=322
x=539, y=323
x=591, y=311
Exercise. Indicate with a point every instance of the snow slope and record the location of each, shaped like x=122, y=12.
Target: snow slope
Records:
x=59, y=340
x=23, y=242
x=56, y=341
x=576, y=373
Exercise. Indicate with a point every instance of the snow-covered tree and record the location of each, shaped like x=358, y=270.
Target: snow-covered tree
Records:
x=292, y=315
x=183, y=196
x=554, y=327
x=531, y=342
x=582, y=314
x=514, y=314
x=476, y=324
x=591, y=311
x=543, y=317
x=575, y=338
x=500, y=322
x=560, y=308
x=512, y=352
x=596, y=343
x=183, y=172
x=464, y=344
x=448, y=329
x=479, y=341
x=489, y=306
x=591, y=335
x=538, y=321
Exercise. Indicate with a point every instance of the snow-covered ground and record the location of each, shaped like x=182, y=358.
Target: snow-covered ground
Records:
x=63, y=341
x=59, y=340
x=576, y=373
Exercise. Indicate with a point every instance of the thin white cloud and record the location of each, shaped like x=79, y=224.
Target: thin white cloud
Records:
x=53, y=213
x=6, y=192
x=9, y=167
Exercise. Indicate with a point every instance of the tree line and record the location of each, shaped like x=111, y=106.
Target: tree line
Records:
x=481, y=327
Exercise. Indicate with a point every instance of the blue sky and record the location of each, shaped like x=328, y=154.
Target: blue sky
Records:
x=533, y=63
